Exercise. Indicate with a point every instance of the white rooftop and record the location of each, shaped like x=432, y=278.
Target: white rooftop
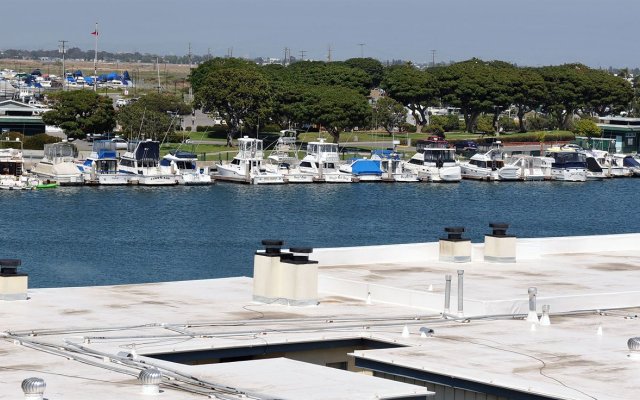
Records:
x=95, y=339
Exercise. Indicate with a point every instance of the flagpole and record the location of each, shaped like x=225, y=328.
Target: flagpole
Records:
x=95, y=62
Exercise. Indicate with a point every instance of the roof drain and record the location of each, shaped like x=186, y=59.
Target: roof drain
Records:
x=150, y=379
x=33, y=388
x=533, y=314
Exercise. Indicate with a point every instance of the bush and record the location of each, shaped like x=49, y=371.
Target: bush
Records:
x=270, y=128
x=37, y=142
x=218, y=132
x=507, y=124
x=407, y=127
x=538, y=123
x=188, y=128
x=484, y=124
x=532, y=137
x=434, y=129
x=586, y=127
x=447, y=122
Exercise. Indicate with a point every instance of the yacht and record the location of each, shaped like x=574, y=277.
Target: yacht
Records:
x=612, y=165
x=435, y=161
x=284, y=159
x=322, y=161
x=569, y=164
x=141, y=161
x=58, y=164
x=247, y=166
x=184, y=165
x=12, y=168
x=363, y=169
x=531, y=168
x=101, y=167
x=631, y=163
x=489, y=166
x=393, y=167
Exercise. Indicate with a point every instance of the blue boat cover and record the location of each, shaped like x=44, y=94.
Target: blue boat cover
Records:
x=106, y=153
x=148, y=151
x=366, y=167
x=629, y=161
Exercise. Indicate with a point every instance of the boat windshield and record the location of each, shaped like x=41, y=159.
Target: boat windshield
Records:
x=569, y=157
x=432, y=155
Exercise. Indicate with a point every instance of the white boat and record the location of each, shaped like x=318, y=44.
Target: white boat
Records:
x=612, y=166
x=436, y=162
x=489, y=166
x=284, y=159
x=247, y=166
x=569, y=165
x=532, y=168
x=632, y=163
x=393, y=167
x=323, y=161
x=101, y=167
x=12, y=175
x=58, y=164
x=363, y=169
x=184, y=165
x=141, y=161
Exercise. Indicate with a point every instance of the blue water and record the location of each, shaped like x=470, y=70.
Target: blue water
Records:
x=99, y=236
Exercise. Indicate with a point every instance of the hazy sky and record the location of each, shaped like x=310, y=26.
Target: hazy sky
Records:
x=532, y=32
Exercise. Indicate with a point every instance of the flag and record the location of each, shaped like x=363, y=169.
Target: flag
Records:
x=95, y=33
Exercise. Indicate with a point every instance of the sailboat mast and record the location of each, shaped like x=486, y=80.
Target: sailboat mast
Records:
x=95, y=62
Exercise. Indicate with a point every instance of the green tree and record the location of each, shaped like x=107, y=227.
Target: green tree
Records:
x=586, y=127
x=373, y=68
x=337, y=109
x=80, y=112
x=318, y=73
x=154, y=116
x=413, y=88
x=529, y=93
x=239, y=94
x=565, y=87
x=476, y=87
x=388, y=113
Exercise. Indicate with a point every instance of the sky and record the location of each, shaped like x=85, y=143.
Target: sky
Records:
x=526, y=32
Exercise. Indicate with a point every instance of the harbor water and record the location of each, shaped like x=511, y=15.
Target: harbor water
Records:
x=81, y=236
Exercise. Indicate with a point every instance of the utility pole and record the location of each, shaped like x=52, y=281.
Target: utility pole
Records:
x=208, y=53
x=286, y=54
x=190, y=89
x=63, y=50
x=229, y=52
x=302, y=53
x=329, y=55
x=361, y=49
x=433, y=58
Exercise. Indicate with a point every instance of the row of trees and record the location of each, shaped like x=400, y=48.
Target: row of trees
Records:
x=334, y=95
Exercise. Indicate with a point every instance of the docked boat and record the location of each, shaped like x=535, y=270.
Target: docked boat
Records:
x=284, y=159
x=612, y=165
x=12, y=176
x=489, y=166
x=58, y=165
x=141, y=161
x=184, y=165
x=393, y=167
x=435, y=161
x=631, y=163
x=101, y=167
x=364, y=169
x=532, y=168
x=322, y=160
x=247, y=165
x=569, y=164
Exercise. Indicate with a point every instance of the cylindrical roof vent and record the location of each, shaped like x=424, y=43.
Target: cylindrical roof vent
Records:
x=634, y=344
x=33, y=388
x=150, y=379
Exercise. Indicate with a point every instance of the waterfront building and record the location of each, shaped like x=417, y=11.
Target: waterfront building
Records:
x=16, y=116
x=625, y=131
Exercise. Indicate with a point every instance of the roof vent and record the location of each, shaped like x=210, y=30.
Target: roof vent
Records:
x=33, y=388
x=634, y=344
x=150, y=379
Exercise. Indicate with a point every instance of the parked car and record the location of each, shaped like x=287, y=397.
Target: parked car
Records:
x=121, y=102
x=121, y=144
x=466, y=145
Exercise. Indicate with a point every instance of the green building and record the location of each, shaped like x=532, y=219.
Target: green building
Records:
x=16, y=116
x=625, y=131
